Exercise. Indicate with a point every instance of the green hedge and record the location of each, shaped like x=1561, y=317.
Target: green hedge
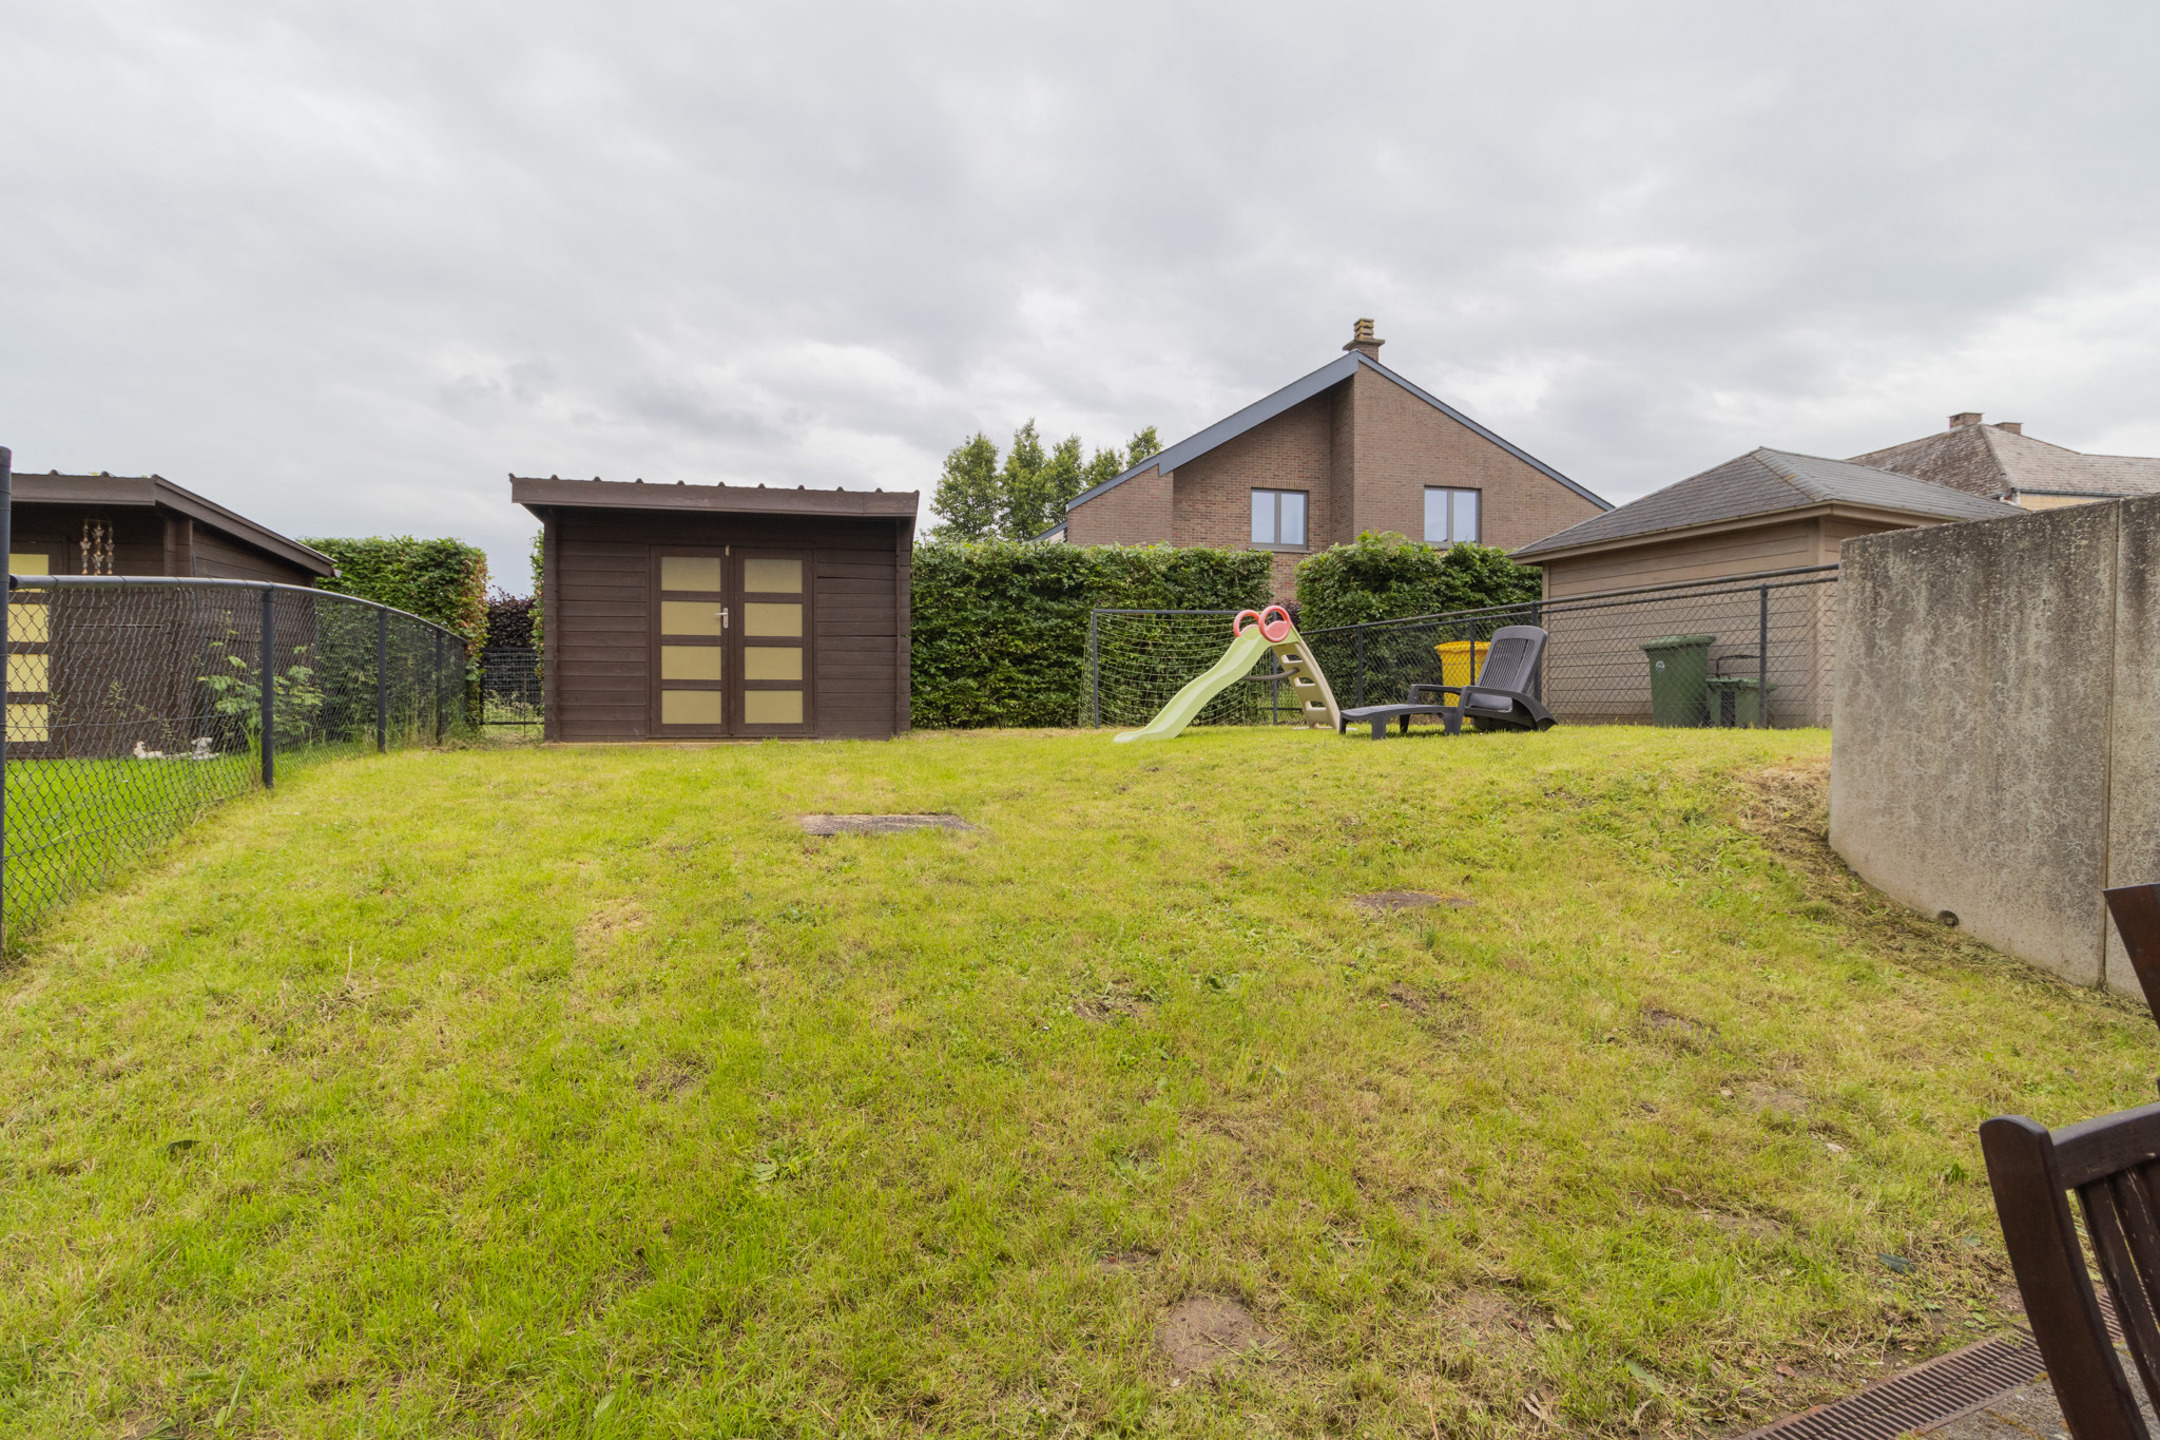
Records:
x=1386, y=577
x=445, y=581
x=1000, y=627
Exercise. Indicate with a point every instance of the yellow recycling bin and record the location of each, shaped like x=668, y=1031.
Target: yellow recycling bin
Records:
x=1459, y=660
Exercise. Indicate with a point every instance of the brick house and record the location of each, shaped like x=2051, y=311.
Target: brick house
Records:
x=2000, y=461
x=1349, y=448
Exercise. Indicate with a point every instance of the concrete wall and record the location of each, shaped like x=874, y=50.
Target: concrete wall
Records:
x=1997, y=746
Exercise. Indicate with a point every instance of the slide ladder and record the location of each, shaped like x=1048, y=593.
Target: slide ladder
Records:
x=1316, y=702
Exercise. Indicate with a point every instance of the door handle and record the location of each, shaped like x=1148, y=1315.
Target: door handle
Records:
x=723, y=617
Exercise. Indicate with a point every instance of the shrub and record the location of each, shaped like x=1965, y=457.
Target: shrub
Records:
x=440, y=580
x=1000, y=628
x=1386, y=577
x=511, y=621
x=539, y=606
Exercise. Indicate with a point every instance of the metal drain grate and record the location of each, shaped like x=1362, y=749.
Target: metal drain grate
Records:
x=1944, y=1389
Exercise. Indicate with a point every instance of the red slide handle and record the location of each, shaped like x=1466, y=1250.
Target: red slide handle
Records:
x=1276, y=631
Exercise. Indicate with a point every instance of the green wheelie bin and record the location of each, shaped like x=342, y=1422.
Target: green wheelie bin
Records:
x=1679, y=679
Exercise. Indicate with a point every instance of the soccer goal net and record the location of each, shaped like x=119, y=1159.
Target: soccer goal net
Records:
x=1138, y=659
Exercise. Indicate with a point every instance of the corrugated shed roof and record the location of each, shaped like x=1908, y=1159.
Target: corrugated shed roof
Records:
x=1763, y=482
x=1298, y=391
x=1989, y=460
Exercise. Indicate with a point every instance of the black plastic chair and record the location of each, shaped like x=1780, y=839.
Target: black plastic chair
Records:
x=1498, y=699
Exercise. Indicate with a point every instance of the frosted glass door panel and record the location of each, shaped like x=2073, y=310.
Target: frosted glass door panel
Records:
x=769, y=620
x=690, y=572
x=690, y=707
x=772, y=577
x=771, y=662
x=690, y=662
x=689, y=617
x=772, y=707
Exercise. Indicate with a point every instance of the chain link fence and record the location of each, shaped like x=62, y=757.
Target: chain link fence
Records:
x=136, y=703
x=1698, y=653
x=510, y=689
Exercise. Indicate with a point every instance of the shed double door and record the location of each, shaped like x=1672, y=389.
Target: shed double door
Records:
x=731, y=641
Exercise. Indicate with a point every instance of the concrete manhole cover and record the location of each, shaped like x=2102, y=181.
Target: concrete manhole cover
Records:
x=1204, y=1331
x=1382, y=902
x=880, y=824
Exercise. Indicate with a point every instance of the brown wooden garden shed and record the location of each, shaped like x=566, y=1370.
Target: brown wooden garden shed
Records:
x=710, y=612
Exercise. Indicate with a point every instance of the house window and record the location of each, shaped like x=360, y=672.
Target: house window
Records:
x=1451, y=516
x=1278, y=518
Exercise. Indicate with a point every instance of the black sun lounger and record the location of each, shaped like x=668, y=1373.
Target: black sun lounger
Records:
x=1496, y=700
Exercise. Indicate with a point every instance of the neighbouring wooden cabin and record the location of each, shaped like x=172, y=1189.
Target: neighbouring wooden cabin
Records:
x=146, y=525
x=705, y=612
x=103, y=674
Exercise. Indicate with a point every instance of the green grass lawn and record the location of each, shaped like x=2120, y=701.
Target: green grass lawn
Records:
x=578, y=1092
x=72, y=823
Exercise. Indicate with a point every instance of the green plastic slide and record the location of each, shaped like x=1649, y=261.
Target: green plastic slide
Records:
x=1237, y=663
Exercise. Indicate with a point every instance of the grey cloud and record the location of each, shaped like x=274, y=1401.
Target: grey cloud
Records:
x=343, y=267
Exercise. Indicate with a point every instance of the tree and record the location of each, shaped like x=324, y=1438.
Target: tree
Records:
x=1037, y=502
x=979, y=499
x=1143, y=445
x=970, y=494
x=1020, y=482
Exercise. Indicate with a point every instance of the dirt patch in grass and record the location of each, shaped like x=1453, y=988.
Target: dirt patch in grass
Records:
x=1494, y=1324
x=1387, y=902
x=1126, y=1259
x=623, y=917
x=1203, y=1332
x=1744, y=1227
x=1108, y=1006
x=1409, y=999
x=666, y=1081
x=880, y=824
x=1787, y=808
x=1676, y=1027
x=1776, y=1100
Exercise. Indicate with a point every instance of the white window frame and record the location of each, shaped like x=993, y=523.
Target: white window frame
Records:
x=1275, y=526
x=1453, y=510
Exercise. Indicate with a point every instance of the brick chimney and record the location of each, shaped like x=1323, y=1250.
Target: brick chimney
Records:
x=2015, y=427
x=1964, y=418
x=1362, y=341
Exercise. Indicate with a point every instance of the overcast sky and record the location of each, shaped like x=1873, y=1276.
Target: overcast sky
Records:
x=343, y=267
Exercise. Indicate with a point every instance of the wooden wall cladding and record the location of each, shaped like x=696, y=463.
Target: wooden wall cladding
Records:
x=600, y=615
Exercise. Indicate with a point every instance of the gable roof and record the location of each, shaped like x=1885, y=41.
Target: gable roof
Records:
x=156, y=492
x=1764, y=482
x=1988, y=460
x=1327, y=377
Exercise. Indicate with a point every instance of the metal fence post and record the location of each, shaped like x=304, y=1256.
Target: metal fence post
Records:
x=1361, y=665
x=1094, y=675
x=438, y=706
x=382, y=681
x=7, y=678
x=1762, y=663
x=269, y=688
x=1537, y=676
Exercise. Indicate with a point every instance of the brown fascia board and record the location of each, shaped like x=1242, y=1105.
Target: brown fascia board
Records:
x=158, y=493
x=1838, y=509
x=536, y=495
